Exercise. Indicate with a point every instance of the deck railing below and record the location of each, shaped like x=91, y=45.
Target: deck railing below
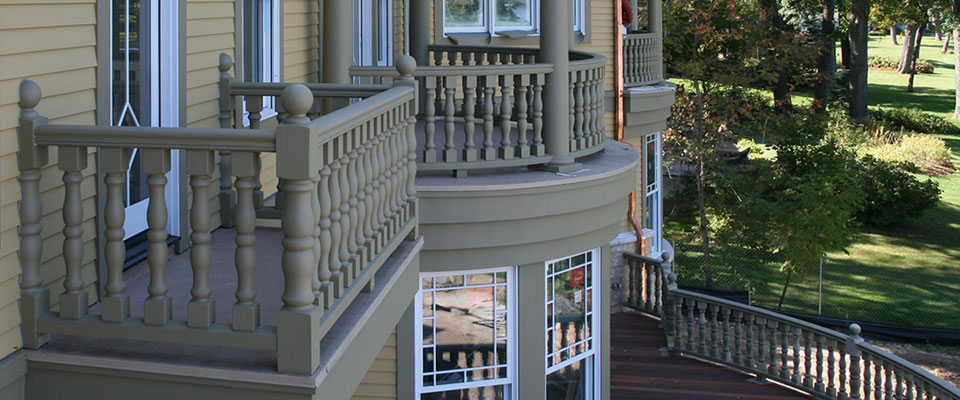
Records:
x=813, y=359
x=642, y=59
x=349, y=201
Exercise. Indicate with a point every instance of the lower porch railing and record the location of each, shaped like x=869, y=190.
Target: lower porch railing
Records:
x=349, y=201
x=642, y=59
x=815, y=360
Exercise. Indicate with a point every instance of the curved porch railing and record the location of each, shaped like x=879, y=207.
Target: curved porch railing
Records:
x=349, y=202
x=815, y=360
x=483, y=106
x=642, y=59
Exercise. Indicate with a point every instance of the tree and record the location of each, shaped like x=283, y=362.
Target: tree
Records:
x=712, y=53
x=826, y=59
x=859, y=17
x=799, y=205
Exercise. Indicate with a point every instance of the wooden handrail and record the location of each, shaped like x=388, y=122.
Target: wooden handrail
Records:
x=815, y=360
x=260, y=140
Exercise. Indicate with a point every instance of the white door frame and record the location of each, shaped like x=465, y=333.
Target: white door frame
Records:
x=164, y=47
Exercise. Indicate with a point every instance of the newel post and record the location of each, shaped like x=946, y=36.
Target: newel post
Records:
x=406, y=66
x=34, y=298
x=669, y=303
x=298, y=161
x=227, y=196
x=853, y=349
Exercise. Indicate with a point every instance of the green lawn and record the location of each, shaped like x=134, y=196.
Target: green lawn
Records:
x=908, y=275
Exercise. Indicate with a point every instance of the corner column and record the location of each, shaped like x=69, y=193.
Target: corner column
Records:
x=554, y=49
x=337, y=46
x=655, y=16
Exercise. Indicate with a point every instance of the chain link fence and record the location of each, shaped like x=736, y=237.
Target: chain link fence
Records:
x=834, y=287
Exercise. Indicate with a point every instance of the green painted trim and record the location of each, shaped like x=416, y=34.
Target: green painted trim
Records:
x=184, y=243
x=531, y=330
x=102, y=119
x=13, y=370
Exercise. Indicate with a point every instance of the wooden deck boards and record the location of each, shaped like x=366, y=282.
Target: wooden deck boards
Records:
x=641, y=370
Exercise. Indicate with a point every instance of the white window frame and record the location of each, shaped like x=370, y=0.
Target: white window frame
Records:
x=591, y=356
x=364, y=40
x=269, y=55
x=489, y=18
x=654, y=191
x=510, y=382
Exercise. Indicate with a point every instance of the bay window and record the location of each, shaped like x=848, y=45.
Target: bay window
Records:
x=500, y=17
x=572, y=321
x=467, y=335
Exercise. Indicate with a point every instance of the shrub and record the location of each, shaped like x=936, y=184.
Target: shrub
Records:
x=890, y=63
x=916, y=153
x=893, y=195
x=916, y=120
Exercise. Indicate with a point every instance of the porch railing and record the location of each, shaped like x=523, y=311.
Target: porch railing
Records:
x=483, y=106
x=642, y=59
x=815, y=360
x=349, y=202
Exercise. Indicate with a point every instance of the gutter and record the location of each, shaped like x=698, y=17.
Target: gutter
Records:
x=619, y=119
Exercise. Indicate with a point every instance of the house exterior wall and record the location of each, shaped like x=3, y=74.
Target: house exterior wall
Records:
x=54, y=44
x=380, y=382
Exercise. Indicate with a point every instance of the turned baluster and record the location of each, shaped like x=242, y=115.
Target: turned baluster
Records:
x=353, y=262
x=762, y=348
x=648, y=293
x=727, y=332
x=689, y=304
x=246, y=311
x=784, y=331
x=901, y=389
x=702, y=324
x=201, y=310
x=831, y=367
x=449, y=111
x=538, y=146
x=522, y=83
x=738, y=337
x=336, y=228
x=469, y=118
x=114, y=163
x=808, y=350
x=796, y=356
x=867, y=370
x=507, y=150
x=315, y=207
x=772, y=366
x=887, y=381
x=751, y=344
x=255, y=115
x=842, y=391
x=430, y=120
x=877, y=378
x=73, y=301
x=714, y=332
x=909, y=388
x=370, y=179
x=589, y=122
x=599, y=133
x=158, y=307
x=360, y=136
x=346, y=220
x=489, y=152
x=324, y=274
x=381, y=175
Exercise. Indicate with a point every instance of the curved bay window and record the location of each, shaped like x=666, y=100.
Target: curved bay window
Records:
x=499, y=17
x=467, y=335
x=571, y=315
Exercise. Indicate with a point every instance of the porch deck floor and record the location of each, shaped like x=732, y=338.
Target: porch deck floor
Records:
x=641, y=369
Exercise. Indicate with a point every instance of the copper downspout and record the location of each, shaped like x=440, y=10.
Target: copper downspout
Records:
x=618, y=132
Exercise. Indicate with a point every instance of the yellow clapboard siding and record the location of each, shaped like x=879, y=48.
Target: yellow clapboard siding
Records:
x=380, y=381
x=16, y=41
x=45, y=15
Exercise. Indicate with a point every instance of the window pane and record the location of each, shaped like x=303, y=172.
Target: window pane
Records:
x=465, y=328
x=482, y=393
x=463, y=13
x=427, y=331
x=569, y=383
x=479, y=279
x=514, y=13
x=651, y=160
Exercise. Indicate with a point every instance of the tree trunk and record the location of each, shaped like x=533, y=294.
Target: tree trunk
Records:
x=906, y=51
x=859, y=17
x=946, y=44
x=781, y=90
x=915, y=57
x=893, y=36
x=845, y=52
x=701, y=135
x=956, y=60
x=783, y=294
x=827, y=62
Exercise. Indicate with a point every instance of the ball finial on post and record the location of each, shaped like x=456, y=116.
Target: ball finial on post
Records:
x=225, y=63
x=30, y=95
x=297, y=100
x=406, y=65
x=855, y=329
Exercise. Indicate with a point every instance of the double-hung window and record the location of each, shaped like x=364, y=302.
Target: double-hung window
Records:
x=653, y=207
x=497, y=17
x=467, y=335
x=372, y=32
x=572, y=321
x=261, y=45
